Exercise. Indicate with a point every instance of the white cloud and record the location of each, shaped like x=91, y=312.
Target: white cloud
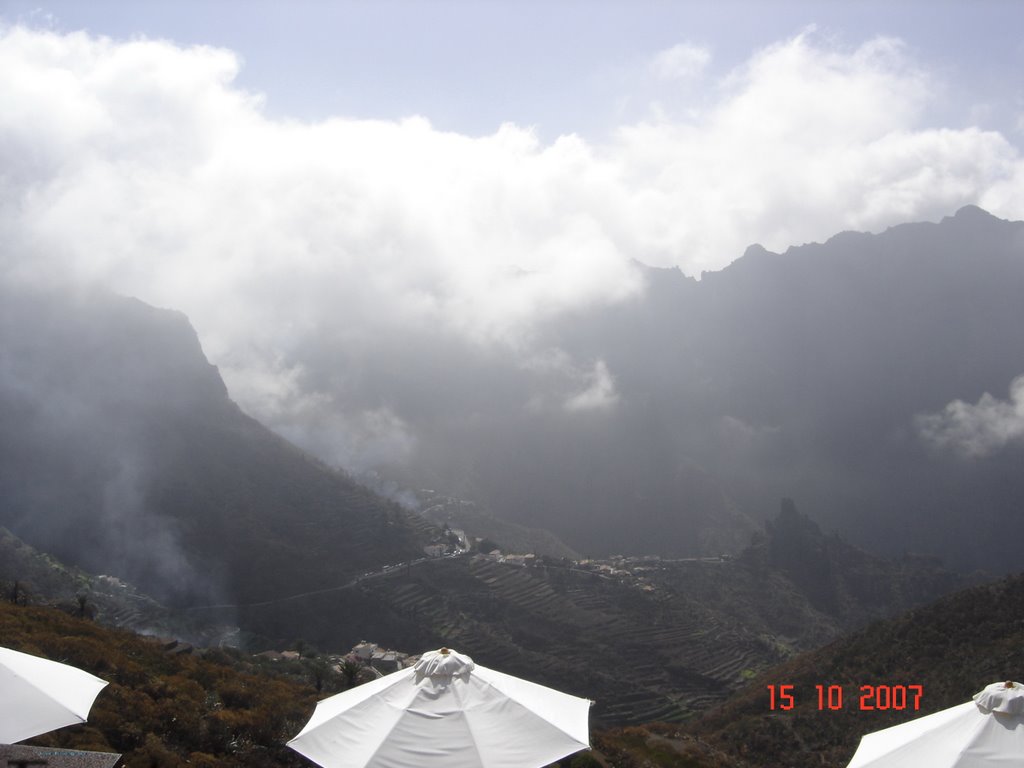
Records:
x=142, y=166
x=684, y=61
x=802, y=143
x=977, y=430
x=599, y=394
x=358, y=441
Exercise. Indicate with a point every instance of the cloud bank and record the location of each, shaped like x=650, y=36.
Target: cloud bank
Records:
x=979, y=430
x=322, y=261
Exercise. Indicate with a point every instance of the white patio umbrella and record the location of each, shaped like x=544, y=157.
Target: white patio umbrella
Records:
x=987, y=732
x=445, y=712
x=38, y=695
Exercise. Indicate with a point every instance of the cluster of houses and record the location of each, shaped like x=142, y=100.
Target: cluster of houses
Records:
x=373, y=658
x=383, y=660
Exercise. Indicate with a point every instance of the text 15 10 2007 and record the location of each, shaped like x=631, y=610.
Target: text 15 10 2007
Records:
x=832, y=698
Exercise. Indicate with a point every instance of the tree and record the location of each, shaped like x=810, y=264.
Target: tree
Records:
x=319, y=672
x=19, y=593
x=350, y=673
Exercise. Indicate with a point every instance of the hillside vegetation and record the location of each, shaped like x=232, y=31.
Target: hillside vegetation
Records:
x=162, y=709
x=166, y=707
x=952, y=649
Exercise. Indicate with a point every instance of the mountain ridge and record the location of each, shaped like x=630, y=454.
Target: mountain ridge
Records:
x=804, y=374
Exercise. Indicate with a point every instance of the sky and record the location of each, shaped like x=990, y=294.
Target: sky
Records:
x=563, y=67
x=312, y=177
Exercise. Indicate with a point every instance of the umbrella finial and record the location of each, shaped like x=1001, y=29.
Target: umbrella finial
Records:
x=445, y=652
x=1008, y=684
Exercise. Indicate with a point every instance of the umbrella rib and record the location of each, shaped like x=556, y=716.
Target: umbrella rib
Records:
x=495, y=684
x=469, y=727
x=380, y=746
x=384, y=739
x=52, y=699
x=55, y=703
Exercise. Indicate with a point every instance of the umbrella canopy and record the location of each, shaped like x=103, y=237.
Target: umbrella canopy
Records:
x=445, y=712
x=987, y=732
x=38, y=695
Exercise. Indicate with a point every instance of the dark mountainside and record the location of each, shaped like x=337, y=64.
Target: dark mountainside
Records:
x=31, y=577
x=800, y=374
x=120, y=452
x=952, y=648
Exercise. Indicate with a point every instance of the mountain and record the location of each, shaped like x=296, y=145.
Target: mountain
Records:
x=825, y=373
x=951, y=649
x=121, y=453
x=822, y=373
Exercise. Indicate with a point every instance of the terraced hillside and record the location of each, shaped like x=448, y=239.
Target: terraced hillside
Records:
x=641, y=656
x=646, y=639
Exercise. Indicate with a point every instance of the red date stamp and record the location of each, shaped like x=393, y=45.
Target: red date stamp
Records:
x=832, y=698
